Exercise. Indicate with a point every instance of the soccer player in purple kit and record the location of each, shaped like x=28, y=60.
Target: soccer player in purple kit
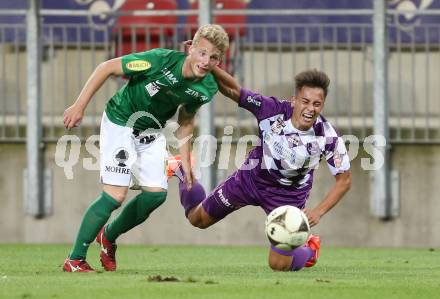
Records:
x=294, y=138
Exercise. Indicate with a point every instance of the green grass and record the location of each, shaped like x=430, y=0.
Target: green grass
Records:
x=204, y=272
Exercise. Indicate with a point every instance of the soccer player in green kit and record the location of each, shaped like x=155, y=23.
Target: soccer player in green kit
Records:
x=160, y=82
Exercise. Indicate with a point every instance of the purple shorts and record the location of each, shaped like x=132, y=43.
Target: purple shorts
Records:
x=239, y=190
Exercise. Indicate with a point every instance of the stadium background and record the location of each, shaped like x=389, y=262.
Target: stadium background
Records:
x=267, y=51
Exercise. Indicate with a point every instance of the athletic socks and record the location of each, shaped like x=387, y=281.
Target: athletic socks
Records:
x=93, y=220
x=300, y=256
x=134, y=213
x=191, y=198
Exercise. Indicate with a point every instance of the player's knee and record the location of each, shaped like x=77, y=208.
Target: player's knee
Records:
x=152, y=189
x=199, y=218
x=196, y=221
x=119, y=196
x=117, y=193
x=203, y=224
x=279, y=264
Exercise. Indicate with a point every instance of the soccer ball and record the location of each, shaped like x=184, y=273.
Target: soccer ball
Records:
x=287, y=227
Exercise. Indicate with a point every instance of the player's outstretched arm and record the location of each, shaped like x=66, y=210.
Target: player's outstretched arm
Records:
x=341, y=186
x=227, y=84
x=74, y=114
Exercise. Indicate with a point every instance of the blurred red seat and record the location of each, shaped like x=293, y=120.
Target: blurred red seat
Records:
x=233, y=24
x=134, y=33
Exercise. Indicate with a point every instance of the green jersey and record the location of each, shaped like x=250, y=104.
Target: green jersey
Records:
x=156, y=86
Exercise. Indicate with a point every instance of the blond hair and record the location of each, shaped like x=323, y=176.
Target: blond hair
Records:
x=215, y=34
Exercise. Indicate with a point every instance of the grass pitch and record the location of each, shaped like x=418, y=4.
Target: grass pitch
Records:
x=205, y=272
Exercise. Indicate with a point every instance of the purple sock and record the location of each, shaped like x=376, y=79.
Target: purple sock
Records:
x=300, y=257
x=191, y=198
x=281, y=251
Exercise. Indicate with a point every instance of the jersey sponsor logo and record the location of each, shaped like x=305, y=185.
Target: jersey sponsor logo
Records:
x=282, y=151
x=313, y=148
x=152, y=88
x=121, y=156
x=254, y=101
x=169, y=76
x=197, y=95
x=278, y=125
x=117, y=169
x=160, y=83
x=294, y=140
x=138, y=65
x=337, y=158
x=223, y=198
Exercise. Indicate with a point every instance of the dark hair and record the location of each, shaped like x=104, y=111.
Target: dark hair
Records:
x=312, y=78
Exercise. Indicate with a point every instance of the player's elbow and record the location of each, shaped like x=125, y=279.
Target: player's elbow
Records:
x=347, y=181
x=231, y=92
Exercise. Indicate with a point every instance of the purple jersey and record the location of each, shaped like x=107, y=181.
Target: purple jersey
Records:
x=282, y=166
x=280, y=170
